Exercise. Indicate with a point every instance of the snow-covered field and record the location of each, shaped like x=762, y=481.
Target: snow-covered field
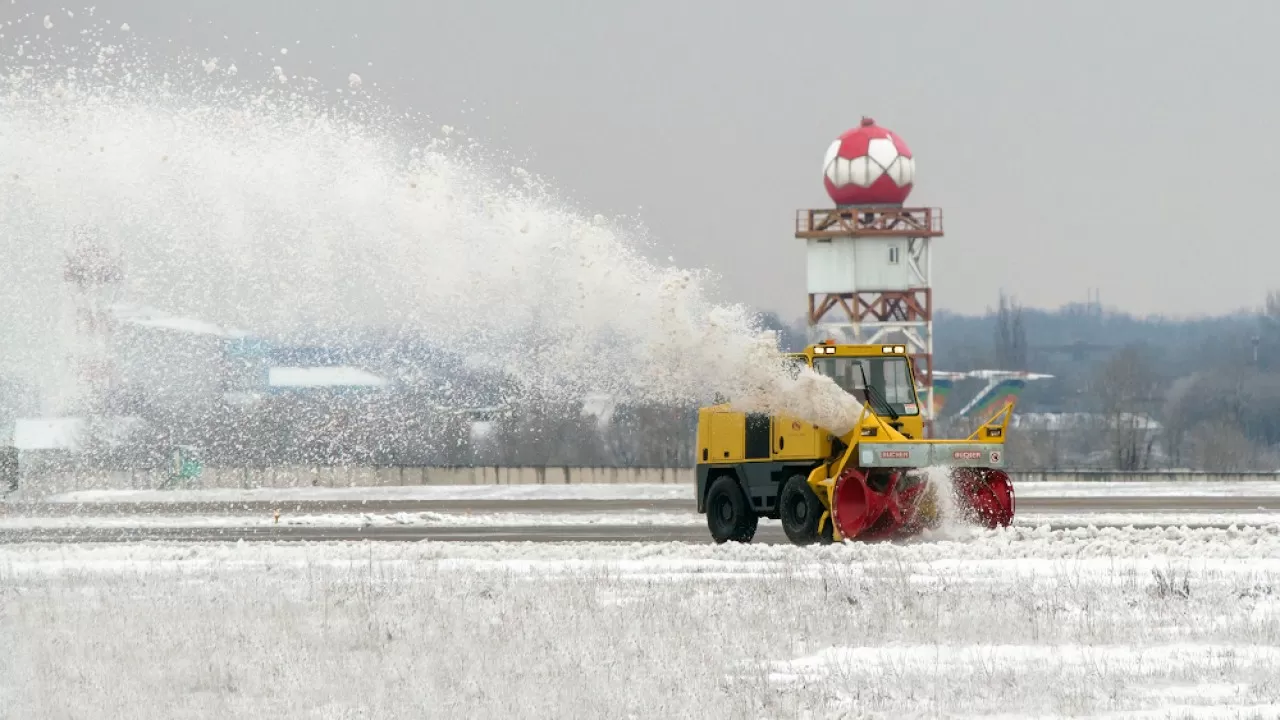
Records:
x=356, y=519
x=578, y=519
x=1018, y=623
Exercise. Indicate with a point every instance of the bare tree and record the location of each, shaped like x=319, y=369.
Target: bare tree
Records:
x=546, y=433
x=652, y=436
x=1011, y=336
x=1124, y=389
x=1180, y=416
x=1221, y=447
x=1034, y=448
x=1237, y=409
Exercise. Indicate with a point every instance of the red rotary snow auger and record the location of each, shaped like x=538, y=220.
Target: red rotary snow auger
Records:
x=878, y=490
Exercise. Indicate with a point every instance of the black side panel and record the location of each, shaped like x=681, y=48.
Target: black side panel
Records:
x=762, y=487
x=701, y=492
x=759, y=437
x=763, y=482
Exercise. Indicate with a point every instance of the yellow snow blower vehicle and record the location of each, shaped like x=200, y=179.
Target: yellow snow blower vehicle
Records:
x=869, y=484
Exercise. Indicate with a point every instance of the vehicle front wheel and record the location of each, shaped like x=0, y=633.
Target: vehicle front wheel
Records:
x=729, y=515
x=800, y=511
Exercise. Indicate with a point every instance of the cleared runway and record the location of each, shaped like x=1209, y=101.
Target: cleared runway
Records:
x=561, y=531
x=513, y=534
x=1157, y=503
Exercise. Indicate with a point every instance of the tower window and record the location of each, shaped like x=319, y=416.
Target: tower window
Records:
x=893, y=256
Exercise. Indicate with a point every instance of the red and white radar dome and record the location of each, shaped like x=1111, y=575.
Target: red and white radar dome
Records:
x=869, y=165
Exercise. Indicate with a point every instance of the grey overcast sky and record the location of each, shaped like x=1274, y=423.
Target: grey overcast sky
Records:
x=1128, y=146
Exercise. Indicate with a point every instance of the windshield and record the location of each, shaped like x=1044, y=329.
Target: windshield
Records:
x=888, y=375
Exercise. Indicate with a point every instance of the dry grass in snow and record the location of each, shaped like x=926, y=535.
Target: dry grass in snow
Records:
x=1019, y=622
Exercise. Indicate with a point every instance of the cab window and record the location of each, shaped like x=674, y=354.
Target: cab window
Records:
x=889, y=375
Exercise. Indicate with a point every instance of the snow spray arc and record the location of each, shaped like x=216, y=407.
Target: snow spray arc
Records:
x=278, y=206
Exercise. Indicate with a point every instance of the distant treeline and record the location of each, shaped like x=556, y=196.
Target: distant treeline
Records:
x=1211, y=386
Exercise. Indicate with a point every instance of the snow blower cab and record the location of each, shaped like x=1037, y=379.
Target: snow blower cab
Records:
x=880, y=480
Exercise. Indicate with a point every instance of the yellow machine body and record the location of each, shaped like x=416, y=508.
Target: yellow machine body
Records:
x=722, y=432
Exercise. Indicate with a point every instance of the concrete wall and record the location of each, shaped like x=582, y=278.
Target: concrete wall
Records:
x=282, y=477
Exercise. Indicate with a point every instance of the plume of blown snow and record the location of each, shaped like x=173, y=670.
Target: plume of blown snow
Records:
x=281, y=207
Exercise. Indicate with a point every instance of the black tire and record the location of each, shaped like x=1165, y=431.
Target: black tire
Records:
x=729, y=515
x=800, y=511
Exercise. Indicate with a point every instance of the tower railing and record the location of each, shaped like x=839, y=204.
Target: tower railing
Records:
x=869, y=222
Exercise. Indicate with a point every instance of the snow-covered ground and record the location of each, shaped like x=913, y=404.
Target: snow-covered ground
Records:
x=1191, y=488
x=552, y=519
x=1016, y=623
x=1145, y=518
x=619, y=492
x=293, y=503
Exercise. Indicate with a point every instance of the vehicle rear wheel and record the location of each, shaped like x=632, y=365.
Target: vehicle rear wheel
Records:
x=729, y=515
x=801, y=511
